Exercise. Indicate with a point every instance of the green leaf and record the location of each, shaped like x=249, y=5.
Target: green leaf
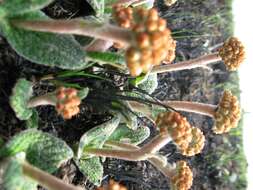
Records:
x=138, y=80
x=98, y=6
x=17, y=7
x=48, y=49
x=129, y=119
x=21, y=94
x=32, y=122
x=127, y=135
x=97, y=136
x=83, y=93
x=42, y=149
x=106, y=58
x=150, y=84
x=13, y=178
x=128, y=116
x=92, y=169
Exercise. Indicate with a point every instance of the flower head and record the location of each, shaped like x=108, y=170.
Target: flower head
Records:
x=182, y=178
x=228, y=113
x=113, y=185
x=197, y=143
x=232, y=53
x=177, y=126
x=67, y=102
x=152, y=40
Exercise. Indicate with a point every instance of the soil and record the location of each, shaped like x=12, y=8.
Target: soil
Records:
x=198, y=26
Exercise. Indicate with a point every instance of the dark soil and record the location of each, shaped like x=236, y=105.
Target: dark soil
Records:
x=198, y=26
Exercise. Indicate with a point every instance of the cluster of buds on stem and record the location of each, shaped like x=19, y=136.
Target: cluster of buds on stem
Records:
x=113, y=185
x=182, y=178
x=190, y=140
x=124, y=18
x=153, y=40
x=232, y=53
x=67, y=102
x=227, y=114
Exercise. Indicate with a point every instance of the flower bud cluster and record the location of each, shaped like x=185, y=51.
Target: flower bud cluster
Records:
x=232, y=53
x=197, y=143
x=228, y=113
x=67, y=102
x=182, y=179
x=190, y=140
x=152, y=40
x=113, y=185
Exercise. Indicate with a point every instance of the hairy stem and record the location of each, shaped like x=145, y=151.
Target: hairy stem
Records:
x=187, y=106
x=190, y=64
x=143, y=153
x=99, y=45
x=106, y=32
x=193, y=107
x=47, y=99
x=46, y=180
x=126, y=2
x=155, y=160
x=156, y=143
x=144, y=109
x=130, y=155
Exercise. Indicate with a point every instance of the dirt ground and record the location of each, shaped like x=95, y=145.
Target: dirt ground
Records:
x=199, y=26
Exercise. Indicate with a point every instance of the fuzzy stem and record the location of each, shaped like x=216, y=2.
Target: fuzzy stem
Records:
x=156, y=143
x=78, y=27
x=125, y=2
x=193, y=107
x=187, y=106
x=129, y=155
x=155, y=160
x=141, y=2
x=99, y=45
x=46, y=180
x=190, y=64
x=47, y=99
x=143, y=153
x=141, y=108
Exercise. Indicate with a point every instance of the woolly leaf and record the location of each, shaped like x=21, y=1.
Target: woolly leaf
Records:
x=14, y=179
x=97, y=136
x=16, y=7
x=98, y=6
x=21, y=94
x=32, y=122
x=48, y=49
x=42, y=149
x=150, y=84
x=127, y=135
x=83, y=93
x=92, y=169
x=128, y=116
